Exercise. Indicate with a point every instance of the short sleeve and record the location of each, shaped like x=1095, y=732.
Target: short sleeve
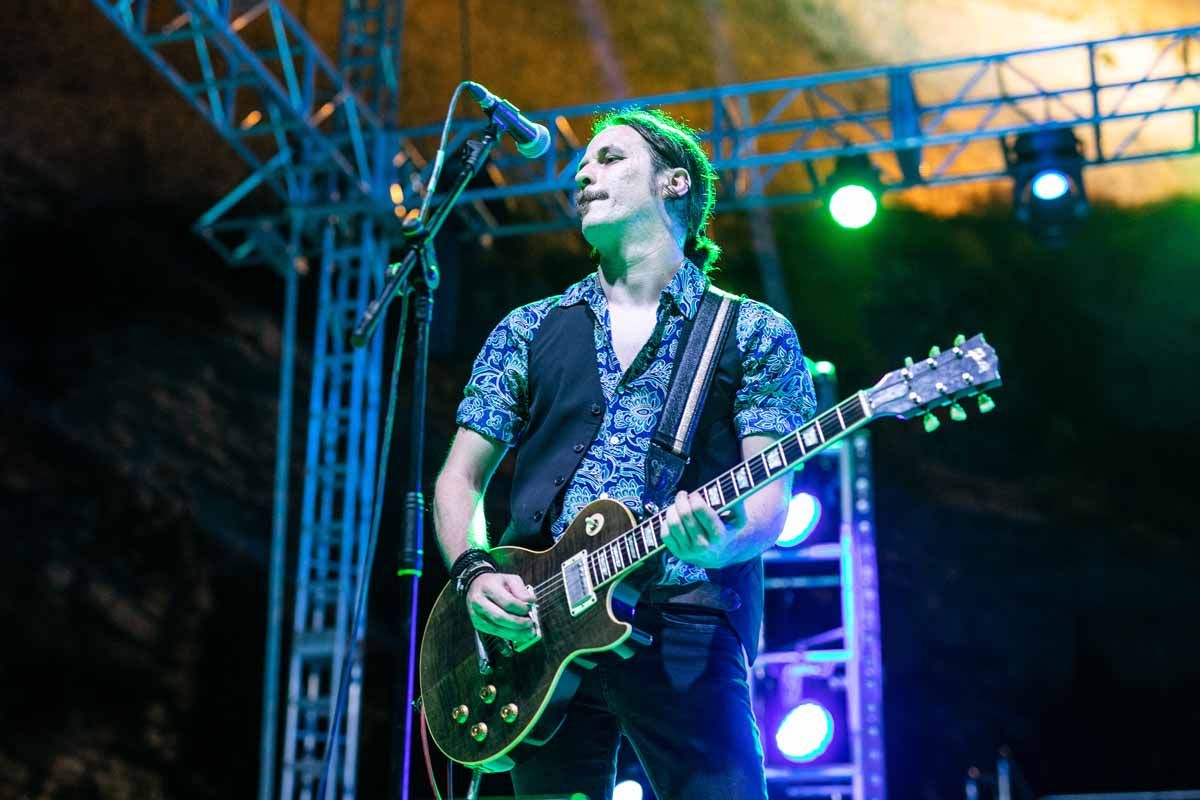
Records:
x=495, y=401
x=776, y=395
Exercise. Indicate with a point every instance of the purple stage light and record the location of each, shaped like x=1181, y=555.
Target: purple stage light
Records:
x=805, y=732
x=628, y=790
x=804, y=512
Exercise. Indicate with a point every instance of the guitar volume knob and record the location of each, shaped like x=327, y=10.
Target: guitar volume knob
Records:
x=479, y=731
x=509, y=712
x=459, y=714
x=488, y=694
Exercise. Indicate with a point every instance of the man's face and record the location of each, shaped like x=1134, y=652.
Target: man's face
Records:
x=616, y=187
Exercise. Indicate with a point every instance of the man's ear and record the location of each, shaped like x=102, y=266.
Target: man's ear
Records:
x=678, y=183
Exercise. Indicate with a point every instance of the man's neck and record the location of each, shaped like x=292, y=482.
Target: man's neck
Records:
x=636, y=273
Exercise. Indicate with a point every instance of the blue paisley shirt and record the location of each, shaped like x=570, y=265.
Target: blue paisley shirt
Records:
x=776, y=395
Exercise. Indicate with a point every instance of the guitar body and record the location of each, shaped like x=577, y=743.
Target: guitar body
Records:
x=538, y=681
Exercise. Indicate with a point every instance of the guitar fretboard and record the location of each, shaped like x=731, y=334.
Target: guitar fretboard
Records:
x=642, y=541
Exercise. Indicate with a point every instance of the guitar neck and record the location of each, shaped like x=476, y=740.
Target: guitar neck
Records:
x=632, y=548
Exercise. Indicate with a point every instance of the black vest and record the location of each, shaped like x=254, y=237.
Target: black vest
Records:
x=566, y=408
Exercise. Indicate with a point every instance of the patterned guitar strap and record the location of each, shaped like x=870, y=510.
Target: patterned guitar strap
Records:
x=700, y=352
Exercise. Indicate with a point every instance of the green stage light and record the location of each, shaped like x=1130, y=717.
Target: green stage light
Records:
x=853, y=206
x=852, y=191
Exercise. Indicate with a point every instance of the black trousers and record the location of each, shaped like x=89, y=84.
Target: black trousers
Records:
x=684, y=704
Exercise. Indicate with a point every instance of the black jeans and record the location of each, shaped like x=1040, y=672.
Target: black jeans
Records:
x=683, y=702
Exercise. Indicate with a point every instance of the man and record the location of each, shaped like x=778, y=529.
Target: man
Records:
x=645, y=194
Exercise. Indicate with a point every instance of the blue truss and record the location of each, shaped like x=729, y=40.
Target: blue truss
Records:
x=924, y=124
x=855, y=647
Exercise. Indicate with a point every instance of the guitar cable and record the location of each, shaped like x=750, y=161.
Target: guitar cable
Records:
x=429, y=761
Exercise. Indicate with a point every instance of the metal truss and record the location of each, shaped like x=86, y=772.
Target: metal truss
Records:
x=253, y=72
x=369, y=51
x=339, y=484
x=850, y=654
x=923, y=124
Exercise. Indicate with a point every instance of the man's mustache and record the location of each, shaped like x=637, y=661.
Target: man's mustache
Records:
x=587, y=197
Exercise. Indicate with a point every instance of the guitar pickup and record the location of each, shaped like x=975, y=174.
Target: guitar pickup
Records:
x=577, y=582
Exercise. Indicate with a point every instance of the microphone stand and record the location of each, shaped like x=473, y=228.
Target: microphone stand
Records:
x=415, y=272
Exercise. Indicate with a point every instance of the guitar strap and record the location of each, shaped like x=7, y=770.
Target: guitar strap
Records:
x=699, y=353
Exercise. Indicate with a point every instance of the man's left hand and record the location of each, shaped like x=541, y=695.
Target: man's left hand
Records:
x=697, y=534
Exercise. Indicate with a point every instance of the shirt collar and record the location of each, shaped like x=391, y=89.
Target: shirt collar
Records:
x=684, y=290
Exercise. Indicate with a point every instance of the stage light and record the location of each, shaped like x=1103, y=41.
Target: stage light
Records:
x=805, y=732
x=1050, y=184
x=852, y=192
x=628, y=790
x=1047, y=170
x=804, y=512
x=853, y=206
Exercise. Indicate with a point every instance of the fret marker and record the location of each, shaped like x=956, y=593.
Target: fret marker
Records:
x=742, y=478
x=775, y=459
x=603, y=564
x=648, y=534
x=809, y=435
x=714, y=496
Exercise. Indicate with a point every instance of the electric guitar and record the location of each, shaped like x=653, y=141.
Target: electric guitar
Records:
x=485, y=702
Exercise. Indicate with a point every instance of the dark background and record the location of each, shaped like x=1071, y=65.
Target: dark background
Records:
x=1038, y=565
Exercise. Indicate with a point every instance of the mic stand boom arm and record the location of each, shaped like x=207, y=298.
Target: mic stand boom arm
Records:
x=420, y=235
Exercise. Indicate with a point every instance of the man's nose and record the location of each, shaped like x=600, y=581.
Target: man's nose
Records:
x=583, y=179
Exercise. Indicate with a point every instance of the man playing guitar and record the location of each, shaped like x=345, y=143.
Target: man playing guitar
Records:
x=582, y=426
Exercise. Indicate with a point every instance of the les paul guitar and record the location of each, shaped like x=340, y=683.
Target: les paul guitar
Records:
x=485, y=702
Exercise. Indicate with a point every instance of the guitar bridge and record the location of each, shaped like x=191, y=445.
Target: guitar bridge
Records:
x=577, y=583
x=537, y=632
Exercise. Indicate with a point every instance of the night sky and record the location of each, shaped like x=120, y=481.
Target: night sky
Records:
x=1038, y=565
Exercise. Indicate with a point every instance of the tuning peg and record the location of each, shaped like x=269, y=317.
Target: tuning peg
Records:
x=958, y=413
x=986, y=404
x=960, y=340
x=931, y=422
x=935, y=351
x=908, y=362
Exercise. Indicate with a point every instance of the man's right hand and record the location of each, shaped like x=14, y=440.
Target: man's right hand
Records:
x=499, y=604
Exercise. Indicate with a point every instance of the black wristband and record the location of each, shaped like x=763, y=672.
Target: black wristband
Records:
x=469, y=566
x=468, y=576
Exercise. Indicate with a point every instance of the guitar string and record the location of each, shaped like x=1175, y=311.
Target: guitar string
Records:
x=559, y=600
x=553, y=583
x=543, y=589
x=657, y=523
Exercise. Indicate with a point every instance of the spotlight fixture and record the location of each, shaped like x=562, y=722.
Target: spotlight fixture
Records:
x=628, y=790
x=1047, y=171
x=804, y=512
x=852, y=191
x=805, y=732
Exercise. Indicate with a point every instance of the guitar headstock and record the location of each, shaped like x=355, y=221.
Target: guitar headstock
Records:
x=968, y=368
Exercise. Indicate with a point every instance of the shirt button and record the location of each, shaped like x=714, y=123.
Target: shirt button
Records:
x=578, y=448
x=596, y=410
x=614, y=439
x=537, y=515
x=558, y=481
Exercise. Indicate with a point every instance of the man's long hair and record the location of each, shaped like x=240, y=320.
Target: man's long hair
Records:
x=672, y=145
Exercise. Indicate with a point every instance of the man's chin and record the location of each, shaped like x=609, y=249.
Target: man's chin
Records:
x=595, y=230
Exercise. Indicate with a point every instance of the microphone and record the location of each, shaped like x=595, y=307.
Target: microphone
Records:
x=532, y=139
